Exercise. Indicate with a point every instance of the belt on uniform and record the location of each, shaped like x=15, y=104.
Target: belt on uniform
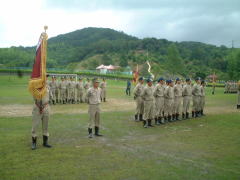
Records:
x=41, y=107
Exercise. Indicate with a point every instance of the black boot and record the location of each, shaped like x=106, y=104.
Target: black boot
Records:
x=45, y=142
x=187, y=115
x=173, y=117
x=104, y=99
x=150, y=123
x=97, y=131
x=53, y=102
x=183, y=116
x=63, y=102
x=238, y=106
x=56, y=100
x=90, y=135
x=140, y=117
x=145, y=125
x=169, y=118
x=165, y=119
x=101, y=99
x=160, y=120
x=193, y=114
x=156, y=121
x=34, y=143
x=136, y=117
x=177, y=117
x=197, y=114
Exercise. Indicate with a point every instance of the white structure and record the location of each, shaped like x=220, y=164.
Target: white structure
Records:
x=105, y=69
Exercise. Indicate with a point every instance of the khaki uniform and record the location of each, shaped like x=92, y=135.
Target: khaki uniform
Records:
x=103, y=90
x=86, y=87
x=169, y=100
x=177, y=98
x=93, y=96
x=57, y=92
x=196, y=92
x=40, y=113
x=202, y=98
x=63, y=90
x=148, y=99
x=71, y=90
x=53, y=89
x=187, y=96
x=80, y=89
x=137, y=95
x=159, y=100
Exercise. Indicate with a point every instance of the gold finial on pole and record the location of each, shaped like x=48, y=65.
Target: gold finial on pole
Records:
x=45, y=28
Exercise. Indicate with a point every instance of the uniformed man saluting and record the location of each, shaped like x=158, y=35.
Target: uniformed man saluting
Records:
x=94, y=99
x=40, y=113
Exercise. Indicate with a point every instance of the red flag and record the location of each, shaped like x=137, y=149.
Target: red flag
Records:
x=37, y=84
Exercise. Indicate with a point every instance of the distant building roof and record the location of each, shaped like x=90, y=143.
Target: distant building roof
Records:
x=110, y=67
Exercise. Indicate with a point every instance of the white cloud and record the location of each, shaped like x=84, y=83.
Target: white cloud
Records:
x=215, y=21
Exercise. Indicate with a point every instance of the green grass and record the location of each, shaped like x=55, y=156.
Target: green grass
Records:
x=203, y=148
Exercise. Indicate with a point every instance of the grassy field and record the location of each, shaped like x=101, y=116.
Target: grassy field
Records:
x=203, y=148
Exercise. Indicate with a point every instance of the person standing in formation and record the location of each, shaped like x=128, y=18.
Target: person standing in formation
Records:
x=196, y=92
x=53, y=88
x=71, y=90
x=57, y=94
x=94, y=99
x=148, y=99
x=159, y=101
x=86, y=87
x=80, y=89
x=169, y=100
x=187, y=95
x=139, y=102
x=177, y=99
x=128, y=89
x=63, y=90
x=202, y=98
x=103, y=90
x=40, y=113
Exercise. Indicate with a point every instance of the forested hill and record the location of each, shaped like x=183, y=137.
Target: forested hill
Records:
x=89, y=47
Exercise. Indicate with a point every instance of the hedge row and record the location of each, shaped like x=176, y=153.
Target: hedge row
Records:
x=89, y=74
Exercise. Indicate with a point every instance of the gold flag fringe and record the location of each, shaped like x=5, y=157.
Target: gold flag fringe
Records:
x=38, y=86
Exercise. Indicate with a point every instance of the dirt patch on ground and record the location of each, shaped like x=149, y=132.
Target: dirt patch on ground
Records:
x=18, y=110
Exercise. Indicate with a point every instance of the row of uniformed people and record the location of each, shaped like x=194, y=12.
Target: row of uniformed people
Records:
x=70, y=91
x=165, y=101
x=231, y=87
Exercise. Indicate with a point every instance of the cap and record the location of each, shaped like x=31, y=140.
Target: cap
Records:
x=188, y=79
x=149, y=80
x=161, y=79
x=95, y=80
x=140, y=79
x=177, y=79
x=198, y=78
x=169, y=81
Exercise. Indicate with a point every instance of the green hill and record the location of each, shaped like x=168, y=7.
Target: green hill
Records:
x=89, y=47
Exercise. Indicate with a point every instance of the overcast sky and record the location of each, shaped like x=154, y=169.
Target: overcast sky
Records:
x=209, y=21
